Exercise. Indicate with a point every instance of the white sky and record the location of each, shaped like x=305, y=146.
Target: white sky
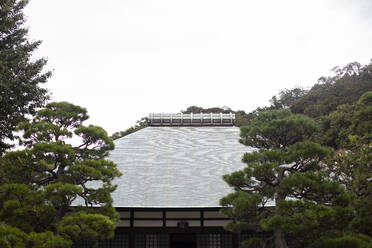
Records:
x=122, y=59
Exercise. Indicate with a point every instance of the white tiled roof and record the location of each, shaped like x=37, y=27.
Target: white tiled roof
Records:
x=176, y=166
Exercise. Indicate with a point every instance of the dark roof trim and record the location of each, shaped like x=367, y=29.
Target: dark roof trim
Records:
x=146, y=209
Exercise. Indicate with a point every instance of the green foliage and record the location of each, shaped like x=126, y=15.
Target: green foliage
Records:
x=89, y=227
x=21, y=76
x=332, y=102
x=349, y=241
x=63, y=162
x=354, y=170
x=139, y=125
x=335, y=127
x=362, y=121
x=48, y=240
x=241, y=118
x=197, y=109
x=277, y=129
x=346, y=87
x=287, y=97
x=286, y=188
x=254, y=243
x=25, y=208
x=12, y=237
x=346, y=120
x=322, y=200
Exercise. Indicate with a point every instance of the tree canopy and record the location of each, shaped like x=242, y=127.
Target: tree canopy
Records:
x=347, y=85
x=297, y=190
x=140, y=124
x=21, y=76
x=57, y=190
x=284, y=189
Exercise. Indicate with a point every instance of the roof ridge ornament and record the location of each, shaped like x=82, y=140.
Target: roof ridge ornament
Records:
x=192, y=119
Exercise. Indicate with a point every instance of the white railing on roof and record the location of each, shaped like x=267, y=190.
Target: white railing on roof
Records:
x=193, y=119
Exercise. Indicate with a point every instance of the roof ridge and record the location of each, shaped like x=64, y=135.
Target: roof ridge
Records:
x=192, y=119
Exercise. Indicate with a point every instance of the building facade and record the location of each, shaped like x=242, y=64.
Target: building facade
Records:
x=168, y=196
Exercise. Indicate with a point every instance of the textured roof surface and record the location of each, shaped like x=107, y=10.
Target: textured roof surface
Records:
x=176, y=166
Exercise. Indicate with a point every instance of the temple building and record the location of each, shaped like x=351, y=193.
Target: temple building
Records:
x=168, y=196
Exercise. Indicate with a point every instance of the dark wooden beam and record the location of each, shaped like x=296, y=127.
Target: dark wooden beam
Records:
x=132, y=218
x=164, y=219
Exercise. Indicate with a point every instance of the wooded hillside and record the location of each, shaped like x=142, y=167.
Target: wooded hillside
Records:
x=330, y=101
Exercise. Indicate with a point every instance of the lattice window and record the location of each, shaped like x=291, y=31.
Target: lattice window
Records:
x=121, y=240
x=226, y=240
x=151, y=240
x=214, y=240
x=202, y=240
x=139, y=240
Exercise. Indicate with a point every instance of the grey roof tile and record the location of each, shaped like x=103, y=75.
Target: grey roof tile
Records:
x=176, y=166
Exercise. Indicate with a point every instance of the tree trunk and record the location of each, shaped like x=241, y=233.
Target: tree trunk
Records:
x=279, y=239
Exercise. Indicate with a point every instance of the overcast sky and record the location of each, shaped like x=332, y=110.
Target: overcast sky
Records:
x=122, y=59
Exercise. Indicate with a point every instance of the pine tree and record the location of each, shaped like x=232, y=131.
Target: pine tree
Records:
x=21, y=76
x=283, y=190
x=58, y=188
